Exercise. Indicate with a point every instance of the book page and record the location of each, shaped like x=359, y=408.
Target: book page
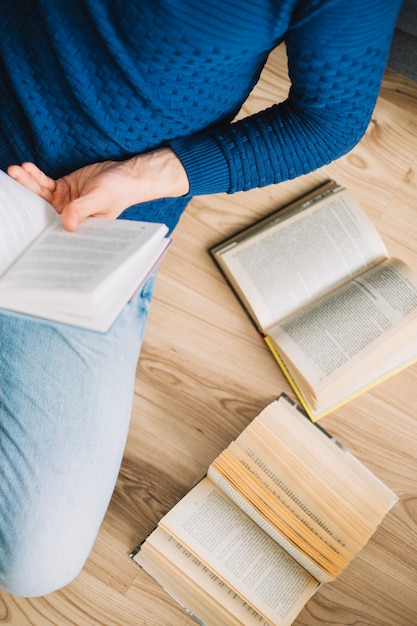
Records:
x=245, y=503
x=331, y=336
x=77, y=263
x=317, y=489
x=207, y=523
x=320, y=503
x=283, y=423
x=23, y=217
x=299, y=259
x=192, y=584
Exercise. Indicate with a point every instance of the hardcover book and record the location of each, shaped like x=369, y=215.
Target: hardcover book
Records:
x=282, y=510
x=338, y=314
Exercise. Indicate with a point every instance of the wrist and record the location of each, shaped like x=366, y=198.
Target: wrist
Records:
x=174, y=171
x=165, y=173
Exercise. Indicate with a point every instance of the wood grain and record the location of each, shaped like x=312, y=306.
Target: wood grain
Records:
x=204, y=373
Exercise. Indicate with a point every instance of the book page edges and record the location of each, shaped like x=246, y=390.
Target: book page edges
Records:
x=178, y=570
x=315, y=416
x=192, y=585
x=246, y=508
x=165, y=587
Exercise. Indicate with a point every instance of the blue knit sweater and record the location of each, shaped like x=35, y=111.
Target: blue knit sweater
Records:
x=87, y=80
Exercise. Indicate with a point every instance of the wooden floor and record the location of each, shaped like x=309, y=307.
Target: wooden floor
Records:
x=204, y=374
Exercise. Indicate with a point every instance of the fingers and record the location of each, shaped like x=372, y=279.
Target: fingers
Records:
x=29, y=175
x=38, y=175
x=96, y=190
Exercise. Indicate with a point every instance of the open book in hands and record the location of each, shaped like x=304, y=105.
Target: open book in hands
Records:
x=83, y=278
x=281, y=510
x=338, y=314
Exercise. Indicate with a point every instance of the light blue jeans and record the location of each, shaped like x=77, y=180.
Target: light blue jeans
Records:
x=65, y=406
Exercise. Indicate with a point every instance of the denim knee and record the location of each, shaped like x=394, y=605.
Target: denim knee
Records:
x=65, y=406
x=35, y=571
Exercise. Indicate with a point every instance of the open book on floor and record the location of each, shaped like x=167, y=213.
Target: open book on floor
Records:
x=83, y=278
x=283, y=509
x=338, y=314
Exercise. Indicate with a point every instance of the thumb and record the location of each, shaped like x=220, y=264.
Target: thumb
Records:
x=78, y=210
x=74, y=213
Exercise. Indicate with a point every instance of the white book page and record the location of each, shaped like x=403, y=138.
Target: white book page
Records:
x=290, y=264
x=229, y=543
x=93, y=313
x=77, y=263
x=327, y=338
x=198, y=576
x=23, y=216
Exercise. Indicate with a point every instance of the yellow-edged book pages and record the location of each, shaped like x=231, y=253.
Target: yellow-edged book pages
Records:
x=316, y=416
x=281, y=511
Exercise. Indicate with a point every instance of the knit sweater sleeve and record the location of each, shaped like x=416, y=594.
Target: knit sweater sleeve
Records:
x=336, y=60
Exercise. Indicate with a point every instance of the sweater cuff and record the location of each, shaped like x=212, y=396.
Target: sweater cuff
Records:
x=206, y=166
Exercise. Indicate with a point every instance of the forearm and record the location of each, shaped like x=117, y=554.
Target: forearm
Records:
x=336, y=64
x=267, y=148
x=106, y=189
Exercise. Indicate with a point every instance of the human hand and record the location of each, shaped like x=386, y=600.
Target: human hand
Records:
x=106, y=189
